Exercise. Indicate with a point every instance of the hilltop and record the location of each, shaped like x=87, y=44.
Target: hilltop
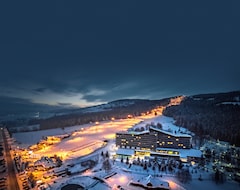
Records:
x=210, y=115
x=207, y=115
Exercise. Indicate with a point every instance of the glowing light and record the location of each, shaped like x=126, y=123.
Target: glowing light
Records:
x=123, y=179
x=110, y=136
x=172, y=184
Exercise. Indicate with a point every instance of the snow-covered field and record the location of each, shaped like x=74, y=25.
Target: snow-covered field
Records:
x=85, y=139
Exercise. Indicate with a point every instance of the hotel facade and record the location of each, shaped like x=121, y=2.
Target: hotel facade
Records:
x=154, y=142
x=152, y=139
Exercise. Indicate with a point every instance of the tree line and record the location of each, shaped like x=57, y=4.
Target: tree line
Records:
x=208, y=117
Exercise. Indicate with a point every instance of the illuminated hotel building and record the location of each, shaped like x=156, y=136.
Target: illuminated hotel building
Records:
x=152, y=139
x=156, y=142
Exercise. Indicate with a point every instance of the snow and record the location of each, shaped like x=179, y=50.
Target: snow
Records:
x=233, y=103
x=209, y=184
x=84, y=181
x=184, y=153
x=127, y=152
x=210, y=99
x=150, y=179
x=197, y=99
x=237, y=98
x=33, y=137
x=28, y=138
x=108, y=106
x=95, y=109
x=88, y=140
x=167, y=123
x=177, y=134
x=77, y=169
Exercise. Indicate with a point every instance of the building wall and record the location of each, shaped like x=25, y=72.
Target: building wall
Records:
x=171, y=141
x=136, y=141
x=151, y=140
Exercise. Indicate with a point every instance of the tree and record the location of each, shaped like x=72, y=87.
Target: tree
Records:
x=107, y=154
x=107, y=165
x=145, y=166
x=138, y=160
x=159, y=125
x=127, y=160
x=184, y=175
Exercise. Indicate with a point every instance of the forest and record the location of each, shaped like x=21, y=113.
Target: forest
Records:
x=118, y=109
x=210, y=116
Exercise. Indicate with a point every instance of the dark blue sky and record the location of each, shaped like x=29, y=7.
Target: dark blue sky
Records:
x=86, y=53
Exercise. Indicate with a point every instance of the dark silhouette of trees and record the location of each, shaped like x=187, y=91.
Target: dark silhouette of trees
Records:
x=119, y=109
x=106, y=165
x=184, y=175
x=207, y=116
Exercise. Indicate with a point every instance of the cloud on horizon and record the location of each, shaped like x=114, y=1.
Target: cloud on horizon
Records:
x=83, y=54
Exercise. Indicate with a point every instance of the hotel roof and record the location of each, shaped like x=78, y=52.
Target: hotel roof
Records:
x=127, y=152
x=184, y=153
x=133, y=132
x=177, y=134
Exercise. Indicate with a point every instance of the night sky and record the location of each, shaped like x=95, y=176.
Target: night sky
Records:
x=70, y=53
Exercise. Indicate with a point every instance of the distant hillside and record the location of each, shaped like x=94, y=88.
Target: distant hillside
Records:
x=118, y=109
x=210, y=115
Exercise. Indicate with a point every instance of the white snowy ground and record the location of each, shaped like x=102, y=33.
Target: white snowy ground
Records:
x=89, y=134
x=124, y=176
x=167, y=124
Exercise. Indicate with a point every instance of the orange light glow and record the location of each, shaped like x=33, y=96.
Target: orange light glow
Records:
x=110, y=136
x=172, y=185
x=123, y=179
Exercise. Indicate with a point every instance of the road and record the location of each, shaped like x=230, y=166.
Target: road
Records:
x=11, y=177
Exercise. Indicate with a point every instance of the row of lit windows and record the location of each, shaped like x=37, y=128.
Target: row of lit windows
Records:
x=124, y=141
x=167, y=152
x=137, y=138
